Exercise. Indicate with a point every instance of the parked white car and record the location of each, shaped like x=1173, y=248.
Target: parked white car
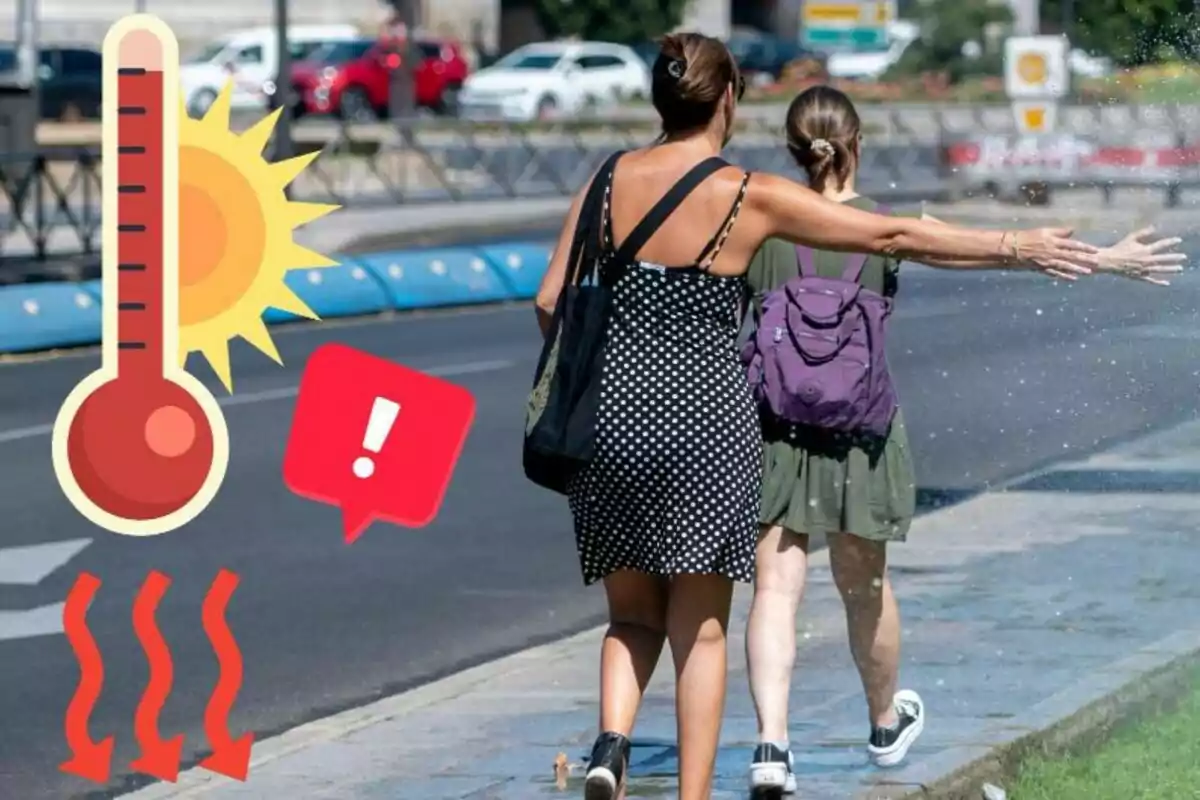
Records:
x=555, y=79
x=250, y=56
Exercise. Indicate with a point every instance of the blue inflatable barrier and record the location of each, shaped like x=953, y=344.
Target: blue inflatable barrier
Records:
x=521, y=265
x=40, y=316
x=347, y=290
x=437, y=277
x=94, y=288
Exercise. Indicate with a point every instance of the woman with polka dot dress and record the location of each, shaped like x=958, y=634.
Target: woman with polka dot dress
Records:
x=667, y=510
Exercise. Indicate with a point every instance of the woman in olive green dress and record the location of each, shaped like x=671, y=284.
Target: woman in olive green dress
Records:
x=860, y=493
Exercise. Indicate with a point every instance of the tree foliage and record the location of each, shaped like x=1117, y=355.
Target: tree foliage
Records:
x=1130, y=32
x=950, y=31
x=622, y=21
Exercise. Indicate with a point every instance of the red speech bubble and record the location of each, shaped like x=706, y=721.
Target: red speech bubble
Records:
x=376, y=439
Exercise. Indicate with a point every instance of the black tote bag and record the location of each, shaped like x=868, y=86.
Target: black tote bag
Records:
x=560, y=423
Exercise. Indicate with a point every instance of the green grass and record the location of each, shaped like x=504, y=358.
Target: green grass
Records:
x=1156, y=759
x=1184, y=90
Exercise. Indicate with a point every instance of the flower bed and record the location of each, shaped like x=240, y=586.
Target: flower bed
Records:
x=934, y=88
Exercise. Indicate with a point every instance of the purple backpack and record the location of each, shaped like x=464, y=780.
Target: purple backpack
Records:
x=817, y=356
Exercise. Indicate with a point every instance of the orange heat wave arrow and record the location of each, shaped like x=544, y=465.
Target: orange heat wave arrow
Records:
x=230, y=757
x=159, y=757
x=89, y=760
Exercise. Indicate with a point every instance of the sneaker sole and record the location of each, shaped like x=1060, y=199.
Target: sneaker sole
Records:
x=893, y=755
x=600, y=784
x=768, y=778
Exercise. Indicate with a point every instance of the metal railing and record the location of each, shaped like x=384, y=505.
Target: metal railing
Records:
x=49, y=201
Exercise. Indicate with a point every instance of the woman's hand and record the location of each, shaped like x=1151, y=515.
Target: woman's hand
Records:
x=1053, y=252
x=1135, y=257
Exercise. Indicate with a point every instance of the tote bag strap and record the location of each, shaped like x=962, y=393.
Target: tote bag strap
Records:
x=585, y=242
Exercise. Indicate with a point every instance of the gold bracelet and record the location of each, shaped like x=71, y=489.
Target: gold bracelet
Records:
x=1016, y=248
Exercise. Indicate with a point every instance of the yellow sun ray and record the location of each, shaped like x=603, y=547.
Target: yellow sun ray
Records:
x=288, y=170
x=258, y=134
x=257, y=334
x=216, y=353
x=236, y=229
x=304, y=213
x=300, y=257
x=217, y=114
x=289, y=301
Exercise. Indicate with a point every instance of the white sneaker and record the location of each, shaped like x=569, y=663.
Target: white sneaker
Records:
x=771, y=771
x=887, y=747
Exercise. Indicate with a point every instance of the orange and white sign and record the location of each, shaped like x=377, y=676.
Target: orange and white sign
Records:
x=1035, y=67
x=849, y=13
x=1037, y=116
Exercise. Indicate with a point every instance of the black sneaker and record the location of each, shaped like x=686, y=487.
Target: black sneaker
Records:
x=887, y=747
x=771, y=771
x=606, y=767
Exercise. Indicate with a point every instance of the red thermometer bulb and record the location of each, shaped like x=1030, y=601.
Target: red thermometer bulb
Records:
x=145, y=445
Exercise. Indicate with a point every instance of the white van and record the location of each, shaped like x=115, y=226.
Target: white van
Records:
x=250, y=56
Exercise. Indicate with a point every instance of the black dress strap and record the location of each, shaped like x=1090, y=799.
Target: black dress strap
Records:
x=670, y=201
x=711, y=250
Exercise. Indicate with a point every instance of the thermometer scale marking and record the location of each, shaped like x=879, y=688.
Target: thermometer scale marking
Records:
x=140, y=151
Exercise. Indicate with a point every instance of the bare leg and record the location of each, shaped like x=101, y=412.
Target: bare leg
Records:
x=637, y=613
x=697, y=621
x=781, y=563
x=860, y=571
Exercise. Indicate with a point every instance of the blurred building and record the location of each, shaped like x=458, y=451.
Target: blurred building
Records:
x=493, y=23
x=519, y=23
x=196, y=21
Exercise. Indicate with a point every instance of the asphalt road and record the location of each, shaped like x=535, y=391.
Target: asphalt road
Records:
x=998, y=374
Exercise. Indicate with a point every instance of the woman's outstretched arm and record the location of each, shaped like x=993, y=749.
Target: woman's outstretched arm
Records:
x=1131, y=257
x=791, y=211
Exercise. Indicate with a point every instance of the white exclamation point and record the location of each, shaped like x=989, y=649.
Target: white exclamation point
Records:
x=379, y=425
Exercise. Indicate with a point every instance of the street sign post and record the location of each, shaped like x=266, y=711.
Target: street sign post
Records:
x=1035, y=79
x=1035, y=116
x=846, y=25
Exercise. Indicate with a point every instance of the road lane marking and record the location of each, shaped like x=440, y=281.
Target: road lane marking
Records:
x=268, y=395
x=30, y=624
x=29, y=565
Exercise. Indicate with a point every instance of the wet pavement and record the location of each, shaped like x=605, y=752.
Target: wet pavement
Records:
x=1012, y=603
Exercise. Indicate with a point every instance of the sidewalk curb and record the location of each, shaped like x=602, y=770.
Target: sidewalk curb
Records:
x=194, y=781
x=1074, y=720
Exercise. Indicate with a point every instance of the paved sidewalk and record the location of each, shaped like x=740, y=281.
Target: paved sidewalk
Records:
x=1009, y=601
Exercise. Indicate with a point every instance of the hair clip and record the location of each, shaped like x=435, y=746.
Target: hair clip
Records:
x=676, y=67
x=822, y=147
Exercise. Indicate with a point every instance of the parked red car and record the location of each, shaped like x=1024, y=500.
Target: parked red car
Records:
x=351, y=79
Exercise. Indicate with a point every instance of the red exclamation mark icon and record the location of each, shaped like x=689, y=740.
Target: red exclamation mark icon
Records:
x=349, y=446
x=379, y=425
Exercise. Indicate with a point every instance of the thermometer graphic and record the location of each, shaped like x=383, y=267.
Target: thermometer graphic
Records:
x=140, y=446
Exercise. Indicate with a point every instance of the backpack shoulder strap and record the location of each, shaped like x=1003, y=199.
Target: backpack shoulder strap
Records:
x=666, y=206
x=854, y=266
x=855, y=262
x=804, y=257
x=852, y=272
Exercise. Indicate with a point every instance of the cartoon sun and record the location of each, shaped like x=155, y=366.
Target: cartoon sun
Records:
x=235, y=235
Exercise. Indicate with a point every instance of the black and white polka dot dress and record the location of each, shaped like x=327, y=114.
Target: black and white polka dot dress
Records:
x=674, y=486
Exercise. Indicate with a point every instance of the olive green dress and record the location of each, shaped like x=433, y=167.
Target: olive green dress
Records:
x=818, y=482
